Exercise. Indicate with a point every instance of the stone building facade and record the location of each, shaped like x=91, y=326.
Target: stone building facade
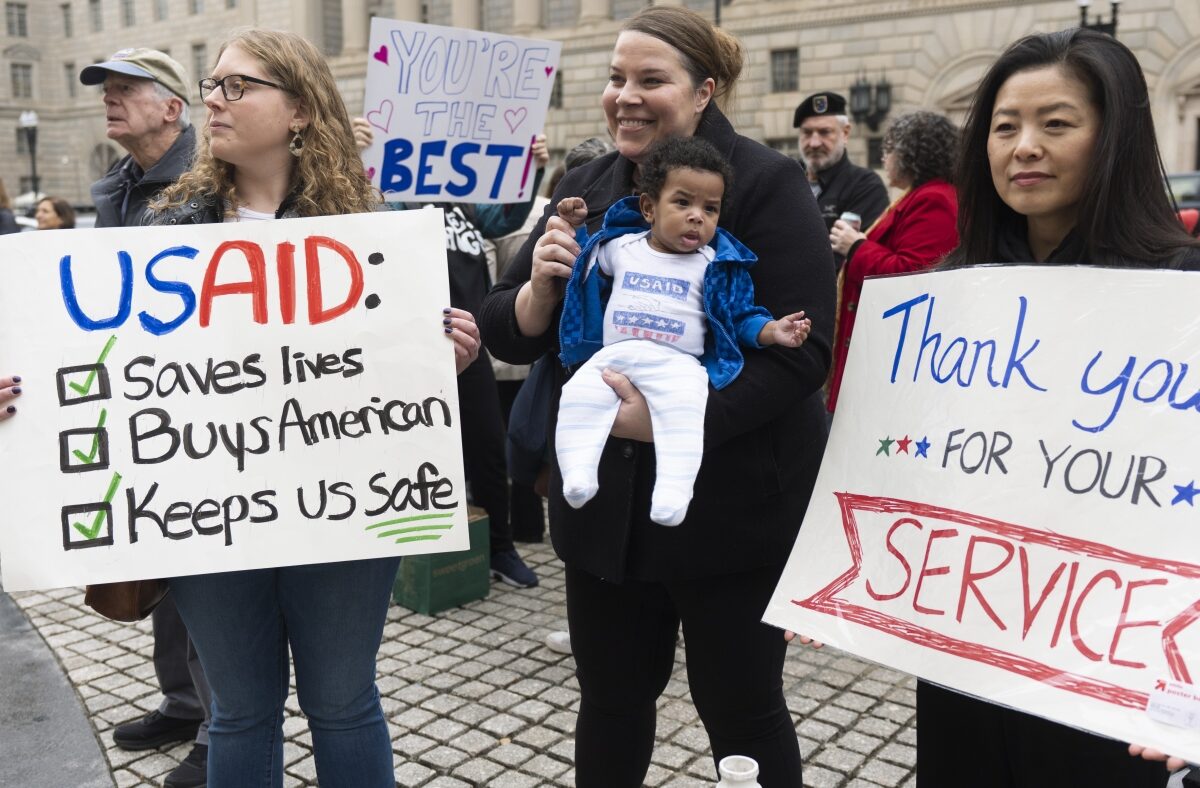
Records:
x=932, y=52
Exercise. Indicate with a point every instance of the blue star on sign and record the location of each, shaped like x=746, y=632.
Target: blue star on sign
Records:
x=1184, y=493
x=922, y=447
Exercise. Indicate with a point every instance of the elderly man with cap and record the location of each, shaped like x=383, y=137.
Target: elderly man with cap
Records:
x=146, y=113
x=837, y=184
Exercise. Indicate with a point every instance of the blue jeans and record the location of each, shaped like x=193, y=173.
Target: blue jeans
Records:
x=332, y=615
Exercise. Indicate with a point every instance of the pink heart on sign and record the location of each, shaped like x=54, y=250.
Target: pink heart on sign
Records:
x=549, y=70
x=381, y=118
x=370, y=173
x=515, y=117
x=381, y=55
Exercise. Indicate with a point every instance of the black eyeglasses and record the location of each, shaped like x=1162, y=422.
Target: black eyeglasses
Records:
x=233, y=86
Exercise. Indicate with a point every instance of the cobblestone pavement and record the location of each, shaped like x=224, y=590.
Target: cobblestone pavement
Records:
x=474, y=698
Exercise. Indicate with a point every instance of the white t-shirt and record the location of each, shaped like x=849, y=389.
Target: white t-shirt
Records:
x=656, y=295
x=244, y=214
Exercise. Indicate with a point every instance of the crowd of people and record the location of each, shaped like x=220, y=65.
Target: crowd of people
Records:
x=768, y=257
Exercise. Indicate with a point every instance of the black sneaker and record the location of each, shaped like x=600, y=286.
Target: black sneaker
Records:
x=192, y=772
x=154, y=730
x=508, y=567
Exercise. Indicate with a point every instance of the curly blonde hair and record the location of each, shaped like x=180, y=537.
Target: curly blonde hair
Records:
x=327, y=178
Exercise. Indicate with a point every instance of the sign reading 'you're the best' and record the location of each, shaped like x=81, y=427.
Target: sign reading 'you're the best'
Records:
x=455, y=112
x=228, y=396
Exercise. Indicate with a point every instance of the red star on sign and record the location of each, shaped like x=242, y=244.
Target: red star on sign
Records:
x=902, y=444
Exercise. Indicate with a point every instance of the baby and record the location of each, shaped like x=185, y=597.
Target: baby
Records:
x=663, y=296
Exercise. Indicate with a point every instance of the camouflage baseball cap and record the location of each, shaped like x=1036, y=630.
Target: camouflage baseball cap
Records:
x=143, y=63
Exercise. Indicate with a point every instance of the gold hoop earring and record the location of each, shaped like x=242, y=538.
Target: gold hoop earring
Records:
x=296, y=146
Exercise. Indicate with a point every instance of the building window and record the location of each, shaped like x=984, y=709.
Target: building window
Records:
x=22, y=80
x=195, y=7
x=71, y=78
x=331, y=26
x=199, y=58
x=22, y=143
x=785, y=70
x=128, y=19
x=68, y=21
x=788, y=146
x=875, y=153
x=96, y=14
x=25, y=184
x=15, y=16
x=160, y=10
x=556, y=92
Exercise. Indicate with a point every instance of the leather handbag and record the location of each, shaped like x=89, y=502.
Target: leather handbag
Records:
x=127, y=600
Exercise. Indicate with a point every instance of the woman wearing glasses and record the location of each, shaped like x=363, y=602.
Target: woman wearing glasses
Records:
x=278, y=143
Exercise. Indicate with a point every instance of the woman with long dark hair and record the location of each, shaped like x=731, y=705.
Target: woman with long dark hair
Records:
x=1059, y=166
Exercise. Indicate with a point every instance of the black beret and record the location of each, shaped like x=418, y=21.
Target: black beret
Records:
x=819, y=104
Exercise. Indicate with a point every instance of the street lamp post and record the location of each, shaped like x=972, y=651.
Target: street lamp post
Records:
x=869, y=103
x=1099, y=25
x=28, y=122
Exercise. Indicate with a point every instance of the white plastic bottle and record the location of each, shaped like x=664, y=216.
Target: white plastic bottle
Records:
x=738, y=771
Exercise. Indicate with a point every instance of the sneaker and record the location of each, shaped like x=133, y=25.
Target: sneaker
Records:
x=192, y=772
x=154, y=730
x=508, y=567
x=559, y=642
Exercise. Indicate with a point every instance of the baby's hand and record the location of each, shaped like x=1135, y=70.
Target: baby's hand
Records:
x=791, y=331
x=573, y=210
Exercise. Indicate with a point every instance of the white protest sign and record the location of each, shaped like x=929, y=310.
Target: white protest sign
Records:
x=455, y=112
x=1005, y=506
x=229, y=396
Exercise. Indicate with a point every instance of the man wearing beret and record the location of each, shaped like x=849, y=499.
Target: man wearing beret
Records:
x=837, y=184
x=146, y=113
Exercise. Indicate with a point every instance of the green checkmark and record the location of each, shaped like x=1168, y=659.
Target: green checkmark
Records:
x=98, y=520
x=91, y=378
x=90, y=457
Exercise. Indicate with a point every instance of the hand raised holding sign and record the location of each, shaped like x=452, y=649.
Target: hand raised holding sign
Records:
x=461, y=330
x=9, y=390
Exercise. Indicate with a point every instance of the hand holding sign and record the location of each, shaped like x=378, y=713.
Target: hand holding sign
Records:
x=9, y=391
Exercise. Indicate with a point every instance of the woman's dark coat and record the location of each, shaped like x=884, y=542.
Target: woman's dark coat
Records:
x=764, y=433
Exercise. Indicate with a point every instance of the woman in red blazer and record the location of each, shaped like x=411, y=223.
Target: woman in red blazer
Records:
x=915, y=232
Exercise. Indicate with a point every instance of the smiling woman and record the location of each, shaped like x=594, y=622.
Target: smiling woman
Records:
x=632, y=583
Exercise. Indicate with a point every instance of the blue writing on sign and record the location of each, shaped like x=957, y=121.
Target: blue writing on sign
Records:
x=1146, y=383
x=648, y=322
x=959, y=358
x=397, y=176
x=658, y=285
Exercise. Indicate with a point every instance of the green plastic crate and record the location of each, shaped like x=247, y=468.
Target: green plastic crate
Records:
x=430, y=583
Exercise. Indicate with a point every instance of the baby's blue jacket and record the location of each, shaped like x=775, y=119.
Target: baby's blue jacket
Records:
x=729, y=304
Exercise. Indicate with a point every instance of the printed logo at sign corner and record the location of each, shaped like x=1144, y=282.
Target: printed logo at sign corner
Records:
x=381, y=54
x=1174, y=703
x=1080, y=616
x=549, y=70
